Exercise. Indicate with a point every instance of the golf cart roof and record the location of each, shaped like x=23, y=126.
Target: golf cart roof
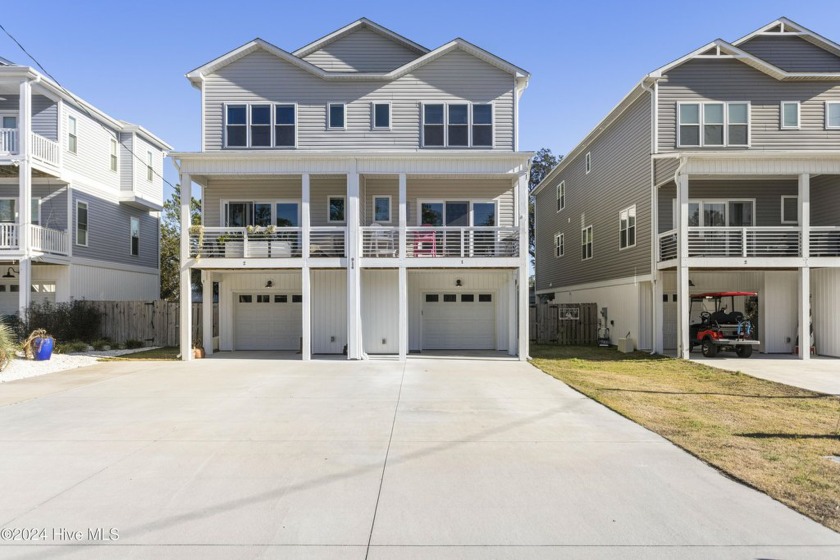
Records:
x=709, y=295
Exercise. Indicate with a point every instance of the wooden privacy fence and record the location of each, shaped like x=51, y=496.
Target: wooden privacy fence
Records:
x=156, y=323
x=564, y=323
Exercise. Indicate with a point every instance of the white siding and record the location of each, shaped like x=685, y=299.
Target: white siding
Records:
x=108, y=284
x=420, y=282
x=329, y=311
x=777, y=316
x=825, y=305
x=380, y=309
x=621, y=301
x=92, y=159
x=151, y=190
x=644, y=340
x=362, y=51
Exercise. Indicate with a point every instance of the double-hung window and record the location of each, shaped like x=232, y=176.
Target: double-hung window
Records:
x=627, y=227
x=381, y=116
x=336, y=116
x=458, y=120
x=714, y=124
x=135, y=236
x=236, y=126
x=789, y=115
x=561, y=195
x=738, y=124
x=433, y=124
x=586, y=243
x=284, y=126
x=457, y=125
x=260, y=126
x=72, y=138
x=81, y=223
x=559, y=244
x=832, y=114
x=482, y=125
x=113, y=154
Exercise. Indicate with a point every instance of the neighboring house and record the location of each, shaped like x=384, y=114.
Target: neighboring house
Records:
x=78, y=211
x=362, y=194
x=719, y=171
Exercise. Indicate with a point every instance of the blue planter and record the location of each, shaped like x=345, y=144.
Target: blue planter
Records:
x=43, y=348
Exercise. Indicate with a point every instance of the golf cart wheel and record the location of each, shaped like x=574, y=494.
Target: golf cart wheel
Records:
x=709, y=348
x=744, y=351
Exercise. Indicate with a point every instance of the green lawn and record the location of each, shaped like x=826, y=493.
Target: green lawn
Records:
x=166, y=353
x=773, y=437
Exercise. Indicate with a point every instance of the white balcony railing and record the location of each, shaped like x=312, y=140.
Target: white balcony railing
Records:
x=237, y=243
x=9, y=236
x=8, y=140
x=49, y=240
x=380, y=241
x=328, y=241
x=825, y=242
x=733, y=242
x=668, y=245
x=44, y=149
x=472, y=242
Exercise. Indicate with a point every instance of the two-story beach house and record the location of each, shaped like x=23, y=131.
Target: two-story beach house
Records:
x=80, y=194
x=362, y=194
x=719, y=171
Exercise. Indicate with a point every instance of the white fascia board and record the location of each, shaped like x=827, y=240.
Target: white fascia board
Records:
x=146, y=135
x=350, y=28
x=467, y=47
x=798, y=30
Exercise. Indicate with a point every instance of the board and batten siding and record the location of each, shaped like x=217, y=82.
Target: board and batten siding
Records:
x=109, y=226
x=793, y=54
x=767, y=194
x=380, y=311
x=825, y=290
x=620, y=178
x=101, y=283
x=361, y=51
x=329, y=311
x=730, y=80
x=261, y=77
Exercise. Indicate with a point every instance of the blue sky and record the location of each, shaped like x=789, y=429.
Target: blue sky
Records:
x=129, y=59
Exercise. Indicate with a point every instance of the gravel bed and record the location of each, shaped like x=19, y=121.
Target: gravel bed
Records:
x=21, y=368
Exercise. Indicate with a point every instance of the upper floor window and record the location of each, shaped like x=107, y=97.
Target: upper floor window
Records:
x=713, y=124
x=336, y=209
x=789, y=114
x=457, y=125
x=113, y=154
x=81, y=223
x=559, y=244
x=382, y=209
x=561, y=195
x=336, y=115
x=260, y=126
x=284, y=126
x=627, y=227
x=135, y=236
x=790, y=209
x=150, y=169
x=72, y=138
x=236, y=127
x=832, y=114
x=381, y=115
x=588, y=162
x=586, y=243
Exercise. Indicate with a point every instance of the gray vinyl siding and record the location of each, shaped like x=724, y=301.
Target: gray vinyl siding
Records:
x=261, y=77
x=664, y=169
x=148, y=189
x=93, y=157
x=620, y=177
x=362, y=51
x=499, y=190
x=126, y=163
x=108, y=233
x=730, y=80
x=767, y=194
x=793, y=54
x=321, y=188
x=53, y=203
x=381, y=186
x=825, y=200
x=44, y=113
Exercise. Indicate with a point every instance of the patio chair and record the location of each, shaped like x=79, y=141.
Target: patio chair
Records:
x=425, y=242
x=381, y=241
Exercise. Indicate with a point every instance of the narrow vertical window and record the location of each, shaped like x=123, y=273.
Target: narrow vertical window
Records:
x=72, y=138
x=588, y=162
x=739, y=124
x=113, y=155
x=135, y=236
x=790, y=209
x=482, y=127
x=713, y=124
x=789, y=114
x=284, y=126
x=260, y=126
x=335, y=115
x=561, y=195
x=382, y=209
x=586, y=243
x=81, y=223
x=150, y=169
x=627, y=227
x=336, y=209
x=433, y=125
x=688, y=129
x=458, y=129
x=236, y=131
x=382, y=115
x=559, y=245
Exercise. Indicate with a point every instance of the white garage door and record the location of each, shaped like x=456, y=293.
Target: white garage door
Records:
x=267, y=322
x=459, y=321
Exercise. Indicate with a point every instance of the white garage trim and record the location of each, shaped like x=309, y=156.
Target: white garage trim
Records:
x=266, y=320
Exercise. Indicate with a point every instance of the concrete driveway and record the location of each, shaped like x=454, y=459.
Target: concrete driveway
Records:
x=819, y=374
x=247, y=457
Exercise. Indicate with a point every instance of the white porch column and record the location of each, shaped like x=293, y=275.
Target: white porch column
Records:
x=805, y=213
x=403, y=215
x=354, y=292
x=513, y=305
x=25, y=195
x=207, y=312
x=306, y=310
x=305, y=217
x=186, y=286
x=402, y=329
x=522, y=277
x=804, y=313
x=658, y=313
x=683, y=295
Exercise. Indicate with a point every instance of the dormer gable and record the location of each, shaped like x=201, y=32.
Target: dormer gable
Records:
x=792, y=48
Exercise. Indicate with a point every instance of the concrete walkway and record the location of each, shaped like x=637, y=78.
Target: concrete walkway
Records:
x=817, y=374
x=470, y=459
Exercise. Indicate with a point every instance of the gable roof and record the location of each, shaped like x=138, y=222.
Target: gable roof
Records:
x=195, y=76
x=363, y=23
x=787, y=28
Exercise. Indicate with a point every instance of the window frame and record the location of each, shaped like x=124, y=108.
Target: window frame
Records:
x=150, y=169
x=559, y=245
x=114, y=157
x=702, y=123
x=560, y=193
x=249, y=137
x=423, y=125
x=492, y=125
x=828, y=104
x=274, y=125
x=226, y=140
x=131, y=221
x=588, y=162
x=467, y=125
x=622, y=228
x=223, y=206
x=84, y=203
x=782, y=125
x=373, y=125
x=329, y=115
x=443, y=201
x=590, y=242
x=329, y=204
x=373, y=208
x=72, y=134
x=782, y=214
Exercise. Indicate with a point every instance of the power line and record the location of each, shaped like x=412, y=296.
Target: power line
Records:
x=80, y=102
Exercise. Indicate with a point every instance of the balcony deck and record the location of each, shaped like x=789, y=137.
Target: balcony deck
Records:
x=44, y=240
x=44, y=150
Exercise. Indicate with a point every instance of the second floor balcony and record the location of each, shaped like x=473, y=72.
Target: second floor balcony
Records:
x=43, y=149
x=42, y=239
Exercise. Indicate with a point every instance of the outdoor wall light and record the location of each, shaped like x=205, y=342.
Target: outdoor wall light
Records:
x=269, y=284
x=458, y=282
x=10, y=273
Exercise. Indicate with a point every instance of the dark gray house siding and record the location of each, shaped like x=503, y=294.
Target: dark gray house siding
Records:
x=730, y=80
x=825, y=200
x=620, y=177
x=108, y=233
x=792, y=54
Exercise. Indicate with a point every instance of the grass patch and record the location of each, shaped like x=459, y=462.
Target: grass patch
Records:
x=773, y=437
x=166, y=353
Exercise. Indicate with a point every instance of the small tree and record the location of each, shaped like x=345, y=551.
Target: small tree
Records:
x=541, y=165
x=170, y=244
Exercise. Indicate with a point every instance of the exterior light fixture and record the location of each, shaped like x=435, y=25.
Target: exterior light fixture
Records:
x=10, y=273
x=458, y=282
x=269, y=284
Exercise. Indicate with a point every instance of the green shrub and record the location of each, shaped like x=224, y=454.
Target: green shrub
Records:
x=101, y=344
x=132, y=344
x=8, y=345
x=73, y=346
x=76, y=320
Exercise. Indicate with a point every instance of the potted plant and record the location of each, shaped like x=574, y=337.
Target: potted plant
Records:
x=198, y=245
x=39, y=346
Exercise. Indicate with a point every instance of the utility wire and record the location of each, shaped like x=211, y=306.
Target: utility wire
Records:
x=81, y=103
